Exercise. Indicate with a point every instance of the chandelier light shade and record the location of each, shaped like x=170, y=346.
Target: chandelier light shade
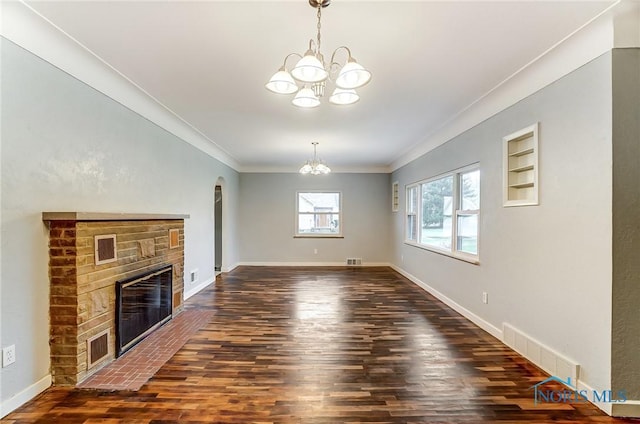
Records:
x=309, y=69
x=312, y=70
x=306, y=98
x=352, y=75
x=344, y=97
x=315, y=166
x=282, y=83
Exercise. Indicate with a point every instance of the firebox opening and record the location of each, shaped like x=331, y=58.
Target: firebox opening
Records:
x=143, y=303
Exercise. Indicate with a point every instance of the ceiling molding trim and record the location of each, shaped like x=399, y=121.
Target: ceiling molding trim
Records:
x=257, y=169
x=580, y=47
x=27, y=28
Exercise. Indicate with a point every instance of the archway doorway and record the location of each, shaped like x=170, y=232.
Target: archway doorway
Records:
x=217, y=235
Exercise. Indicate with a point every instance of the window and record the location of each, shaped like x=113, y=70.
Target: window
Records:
x=318, y=214
x=442, y=213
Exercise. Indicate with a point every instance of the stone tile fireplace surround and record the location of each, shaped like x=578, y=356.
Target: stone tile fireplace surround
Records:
x=82, y=294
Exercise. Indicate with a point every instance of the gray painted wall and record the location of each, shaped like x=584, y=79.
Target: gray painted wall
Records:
x=267, y=213
x=626, y=222
x=547, y=268
x=66, y=147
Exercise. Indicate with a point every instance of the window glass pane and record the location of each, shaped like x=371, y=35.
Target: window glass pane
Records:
x=312, y=202
x=412, y=200
x=318, y=213
x=470, y=190
x=437, y=208
x=412, y=228
x=412, y=209
x=468, y=233
x=318, y=223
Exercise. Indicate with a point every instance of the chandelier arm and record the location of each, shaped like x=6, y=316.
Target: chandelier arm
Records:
x=284, y=63
x=333, y=56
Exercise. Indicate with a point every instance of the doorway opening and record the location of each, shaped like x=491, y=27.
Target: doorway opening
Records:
x=217, y=218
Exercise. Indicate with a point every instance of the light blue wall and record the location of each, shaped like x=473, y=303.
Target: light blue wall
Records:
x=67, y=147
x=267, y=213
x=546, y=268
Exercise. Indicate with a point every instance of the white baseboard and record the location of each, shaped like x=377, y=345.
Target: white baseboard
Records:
x=24, y=396
x=485, y=325
x=553, y=362
x=364, y=264
x=229, y=268
x=629, y=409
x=196, y=289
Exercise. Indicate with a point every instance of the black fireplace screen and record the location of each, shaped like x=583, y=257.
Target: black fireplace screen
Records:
x=143, y=303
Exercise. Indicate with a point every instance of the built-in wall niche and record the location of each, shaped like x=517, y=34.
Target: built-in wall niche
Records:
x=520, y=167
x=395, y=196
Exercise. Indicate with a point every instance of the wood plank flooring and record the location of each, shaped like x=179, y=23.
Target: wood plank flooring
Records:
x=323, y=345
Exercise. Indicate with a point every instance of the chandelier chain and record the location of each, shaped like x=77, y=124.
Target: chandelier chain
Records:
x=319, y=25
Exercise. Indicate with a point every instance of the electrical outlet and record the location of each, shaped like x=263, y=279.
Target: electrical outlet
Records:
x=194, y=275
x=8, y=355
x=485, y=297
x=315, y=251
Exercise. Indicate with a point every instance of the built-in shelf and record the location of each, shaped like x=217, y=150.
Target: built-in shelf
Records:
x=395, y=196
x=520, y=165
x=521, y=168
x=521, y=152
x=522, y=185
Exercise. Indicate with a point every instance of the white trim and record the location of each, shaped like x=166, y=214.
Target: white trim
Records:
x=19, y=399
x=453, y=252
x=27, y=28
x=630, y=408
x=198, y=288
x=480, y=322
x=545, y=357
x=344, y=264
x=230, y=267
x=297, y=213
x=267, y=169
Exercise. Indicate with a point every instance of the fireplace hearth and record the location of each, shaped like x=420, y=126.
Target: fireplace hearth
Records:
x=143, y=303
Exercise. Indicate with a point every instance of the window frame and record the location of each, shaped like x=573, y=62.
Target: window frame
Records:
x=297, y=213
x=456, y=212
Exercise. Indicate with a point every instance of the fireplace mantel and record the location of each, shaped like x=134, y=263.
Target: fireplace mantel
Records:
x=109, y=216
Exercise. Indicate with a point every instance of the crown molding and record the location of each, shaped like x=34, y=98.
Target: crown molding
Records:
x=25, y=27
x=588, y=42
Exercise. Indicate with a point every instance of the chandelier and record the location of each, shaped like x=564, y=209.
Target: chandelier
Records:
x=315, y=166
x=312, y=73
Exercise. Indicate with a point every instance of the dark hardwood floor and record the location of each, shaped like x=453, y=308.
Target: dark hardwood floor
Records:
x=324, y=345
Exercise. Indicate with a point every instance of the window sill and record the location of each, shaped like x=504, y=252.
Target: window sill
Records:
x=318, y=236
x=459, y=256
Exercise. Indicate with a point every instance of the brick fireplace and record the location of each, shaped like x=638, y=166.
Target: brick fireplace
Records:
x=88, y=254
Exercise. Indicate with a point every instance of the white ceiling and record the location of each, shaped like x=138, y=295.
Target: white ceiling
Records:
x=208, y=61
